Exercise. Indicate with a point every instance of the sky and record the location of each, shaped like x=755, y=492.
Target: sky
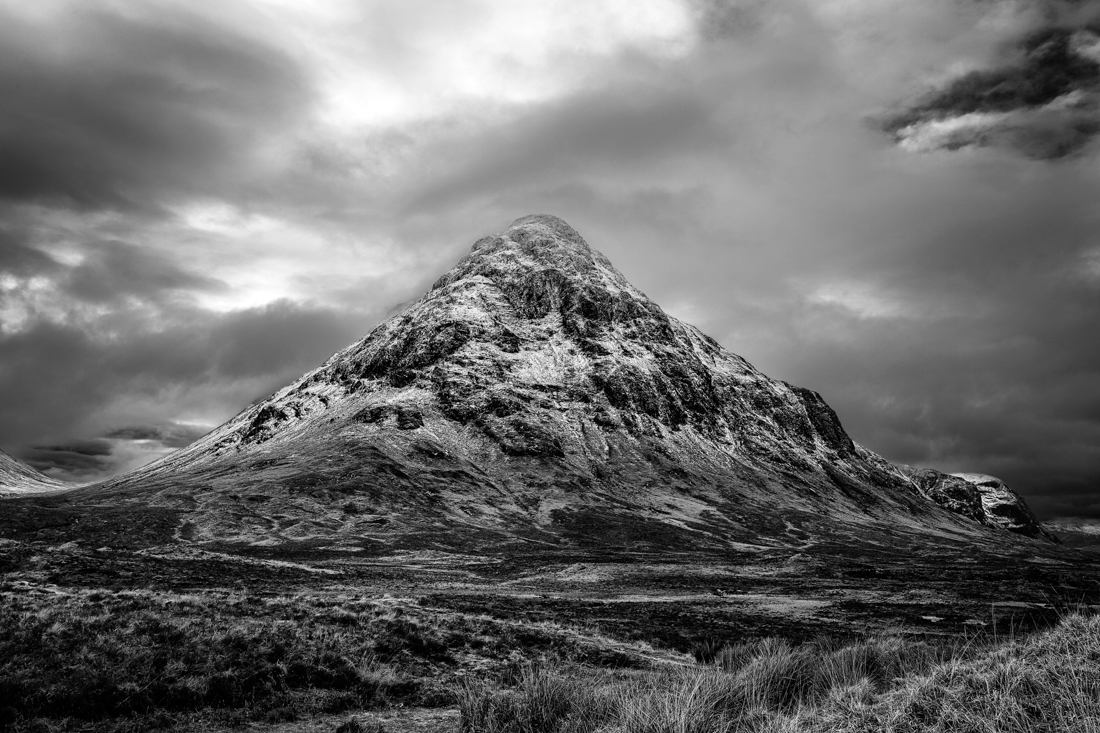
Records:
x=894, y=203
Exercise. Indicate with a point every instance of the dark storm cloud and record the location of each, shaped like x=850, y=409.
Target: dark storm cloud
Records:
x=116, y=270
x=121, y=107
x=118, y=450
x=1015, y=394
x=1044, y=101
x=68, y=460
x=973, y=346
x=18, y=258
x=88, y=448
x=56, y=378
x=172, y=435
x=981, y=355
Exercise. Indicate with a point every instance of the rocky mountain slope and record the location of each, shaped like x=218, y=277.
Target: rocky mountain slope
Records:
x=533, y=395
x=1001, y=506
x=18, y=479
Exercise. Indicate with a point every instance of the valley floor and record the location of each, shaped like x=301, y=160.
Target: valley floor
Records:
x=298, y=638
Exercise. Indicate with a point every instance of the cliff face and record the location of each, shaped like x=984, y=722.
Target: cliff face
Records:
x=1004, y=508
x=534, y=392
x=984, y=499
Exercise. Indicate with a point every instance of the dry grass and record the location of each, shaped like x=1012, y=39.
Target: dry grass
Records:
x=543, y=700
x=100, y=656
x=134, y=660
x=138, y=660
x=1048, y=682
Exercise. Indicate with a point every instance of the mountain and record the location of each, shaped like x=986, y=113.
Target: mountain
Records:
x=17, y=479
x=533, y=395
x=1078, y=532
x=985, y=499
x=1002, y=507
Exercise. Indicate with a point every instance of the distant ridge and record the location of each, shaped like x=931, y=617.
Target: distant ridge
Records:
x=534, y=395
x=18, y=479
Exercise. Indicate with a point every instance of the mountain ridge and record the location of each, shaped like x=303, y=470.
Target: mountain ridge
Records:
x=19, y=479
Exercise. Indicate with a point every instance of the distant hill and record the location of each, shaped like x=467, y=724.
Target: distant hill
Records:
x=18, y=479
x=1076, y=532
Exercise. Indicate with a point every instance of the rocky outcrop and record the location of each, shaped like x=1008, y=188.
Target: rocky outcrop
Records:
x=950, y=492
x=984, y=499
x=534, y=389
x=1004, y=508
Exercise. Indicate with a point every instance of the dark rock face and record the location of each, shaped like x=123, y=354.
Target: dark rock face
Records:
x=519, y=437
x=533, y=389
x=950, y=492
x=1003, y=507
x=985, y=499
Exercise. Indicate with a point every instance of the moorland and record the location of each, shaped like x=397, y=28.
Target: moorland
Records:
x=110, y=624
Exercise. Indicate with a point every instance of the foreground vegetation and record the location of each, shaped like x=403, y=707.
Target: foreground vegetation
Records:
x=136, y=660
x=1047, y=682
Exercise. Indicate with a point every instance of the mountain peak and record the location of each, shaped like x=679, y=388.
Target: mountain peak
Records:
x=538, y=261
x=540, y=236
x=555, y=224
x=534, y=389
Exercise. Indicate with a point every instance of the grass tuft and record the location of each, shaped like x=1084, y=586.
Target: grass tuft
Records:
x=544, y=700
x=1048, y=682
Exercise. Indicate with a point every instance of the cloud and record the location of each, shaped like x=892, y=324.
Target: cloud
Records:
x=197, y=371
x=172, y=435
x=1090, y=265
x=1002, y=378
x=120, y=108
x=114, y=270
x=91, y=283
x=19, y=260
x=117, y=451
x=1043, y=100
x=75, y=460
x=88, y=448
x=729, y=18
x=385, y=65
x=862, y=300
